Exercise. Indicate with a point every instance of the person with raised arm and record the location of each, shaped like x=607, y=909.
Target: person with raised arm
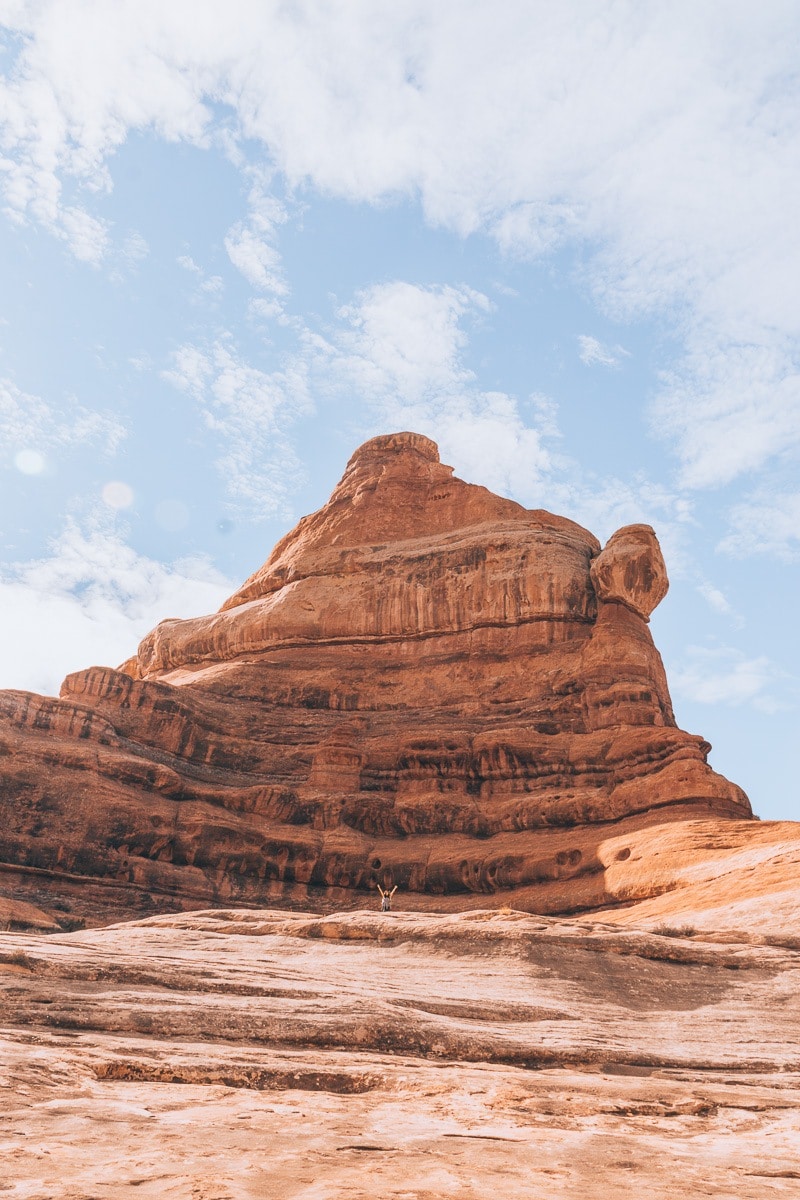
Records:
x=386, y=897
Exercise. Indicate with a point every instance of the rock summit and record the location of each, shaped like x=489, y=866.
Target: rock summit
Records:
x=425, y=685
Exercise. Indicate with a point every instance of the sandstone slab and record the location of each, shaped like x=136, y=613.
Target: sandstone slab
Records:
x=233, y=1054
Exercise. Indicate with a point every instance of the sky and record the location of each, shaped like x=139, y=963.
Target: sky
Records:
x=560, y=239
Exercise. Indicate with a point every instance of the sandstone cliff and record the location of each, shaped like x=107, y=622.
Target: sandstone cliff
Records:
x=425, y=685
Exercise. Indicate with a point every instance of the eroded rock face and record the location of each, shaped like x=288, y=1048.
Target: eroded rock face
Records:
x=425, y=685
x=630, y=569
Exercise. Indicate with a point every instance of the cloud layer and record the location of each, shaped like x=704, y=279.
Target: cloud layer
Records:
x=248, y=413
x=662, y=140
x=91, y=600
x=724, y=675
x=31, y=428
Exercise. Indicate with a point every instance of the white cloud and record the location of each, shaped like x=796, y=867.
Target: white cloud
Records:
x=545, y=412
x=724, y=675
x=260, y=310
x=87, y=236
x=660, y=139
x=719, y=602
x=402, y=352
x=134, y=249
x=251, y=252
x=593, y=353
x=402, y=355
x=251, y=243
x=90, y=601
x=249, y=412
x=212, y=285
x=30, y=426
x=187, y=263
x=765, y=523
x=208, y=286
x=730, y=409
x=406, y=341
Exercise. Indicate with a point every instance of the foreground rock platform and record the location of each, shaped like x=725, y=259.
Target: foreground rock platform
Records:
x=233, y=1054
x=426, y=685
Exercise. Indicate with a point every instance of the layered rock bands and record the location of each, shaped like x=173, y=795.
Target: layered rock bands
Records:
x=425, y=685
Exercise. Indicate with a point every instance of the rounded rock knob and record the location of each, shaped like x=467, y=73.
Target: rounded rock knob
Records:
x=630, y=569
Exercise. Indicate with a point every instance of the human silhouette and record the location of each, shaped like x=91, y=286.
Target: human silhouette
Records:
x=386, y=897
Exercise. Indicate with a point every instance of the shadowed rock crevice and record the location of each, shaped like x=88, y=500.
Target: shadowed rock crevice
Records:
x=237, y=1076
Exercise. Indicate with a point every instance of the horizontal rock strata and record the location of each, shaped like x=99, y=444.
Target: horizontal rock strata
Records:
x=214, y=1056
x=426, y=685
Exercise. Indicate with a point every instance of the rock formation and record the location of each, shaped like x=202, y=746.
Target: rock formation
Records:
x=415, y=1056
x=425, y=685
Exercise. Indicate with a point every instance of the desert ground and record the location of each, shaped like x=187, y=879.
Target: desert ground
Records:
x=230, y=1055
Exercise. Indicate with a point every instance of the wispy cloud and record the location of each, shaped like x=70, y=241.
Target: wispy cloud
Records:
x=719, y=603
x=724, y=675
x=90, y=600
x=251, y=243
x=208, y=286
x=29, y=425
x=399, y=359
x=401, y=350
x=249, y=413
x=730, y=409
x=765, y=522
x=593, y=353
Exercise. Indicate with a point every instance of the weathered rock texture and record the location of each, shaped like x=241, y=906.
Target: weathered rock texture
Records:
x=241, y=1055
x=425, y=685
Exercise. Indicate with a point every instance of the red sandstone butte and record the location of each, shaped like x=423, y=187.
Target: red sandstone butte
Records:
x=425, y=685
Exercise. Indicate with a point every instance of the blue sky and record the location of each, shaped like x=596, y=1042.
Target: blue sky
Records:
x=562, y=240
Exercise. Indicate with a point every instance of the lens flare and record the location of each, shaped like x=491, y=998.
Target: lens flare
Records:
x=117, y=494
x=29, y=462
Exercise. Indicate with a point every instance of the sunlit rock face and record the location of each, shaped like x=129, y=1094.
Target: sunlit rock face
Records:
x=425, y=685
x=254, y=1053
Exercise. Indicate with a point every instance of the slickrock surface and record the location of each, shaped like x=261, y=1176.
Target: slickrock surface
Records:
x=735, y=876
x=233, y=1054
x=425, y=685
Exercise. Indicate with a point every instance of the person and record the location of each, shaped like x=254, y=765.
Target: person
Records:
x=386, y=897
